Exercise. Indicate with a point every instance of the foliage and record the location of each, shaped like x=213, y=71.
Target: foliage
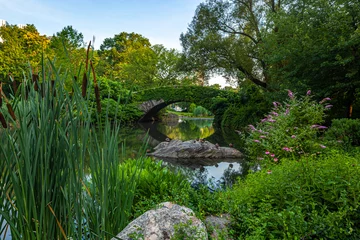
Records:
x=114, y=111
x=47, y=155
x=227, y=37
x=344, y=133
x=116, y=51
x=167, y=67
x=289, y=130
x=316, y=46
x=200, y=111
x=252, y=103
x=68, y=49
x=155, y=184
x=114, y=90
x=307, y=199
x=19, y=48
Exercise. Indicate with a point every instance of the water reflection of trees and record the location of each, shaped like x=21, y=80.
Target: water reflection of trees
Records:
x=188, y=129
x=202, y=176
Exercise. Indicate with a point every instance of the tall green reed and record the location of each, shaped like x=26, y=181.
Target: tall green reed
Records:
x=59, y=171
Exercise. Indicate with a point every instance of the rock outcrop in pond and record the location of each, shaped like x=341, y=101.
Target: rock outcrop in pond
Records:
x=167, y=221
x=193, y=149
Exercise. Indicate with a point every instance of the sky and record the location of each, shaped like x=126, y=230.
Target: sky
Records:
x=161, y=21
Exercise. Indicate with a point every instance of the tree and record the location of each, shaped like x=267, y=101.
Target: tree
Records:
x=68, y=49
x=317, y=46
x=114, y=51
x=20, y=47
x=227, y=37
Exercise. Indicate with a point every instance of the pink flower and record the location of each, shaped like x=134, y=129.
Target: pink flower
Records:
x=272, y=155
x=276, y=159
x=264, y=120
x=275, y=104
x=314, y=126
x=290, y=94
x=324, y=100
x=262, y=136
x=275, y=114
x=252, y=127
x=286, y=149
x=257, y=141
x=322, y=146
x=271, y=120
x=308, y=92
x=328, y=106
x=321, y=127
x=267, y=152
x=293, y=136
x=287, y=111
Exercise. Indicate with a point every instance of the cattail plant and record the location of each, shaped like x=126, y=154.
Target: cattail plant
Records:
x=59, y=171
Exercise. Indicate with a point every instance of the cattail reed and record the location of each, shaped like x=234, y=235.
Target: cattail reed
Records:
x=85, y=80
x=84, y=85
x=1, y=95
x=11, y=111
x=53, y=90
x=96, y=87
x=14, y=86
x=35, y=79
x=3, y=121
x=87, y=57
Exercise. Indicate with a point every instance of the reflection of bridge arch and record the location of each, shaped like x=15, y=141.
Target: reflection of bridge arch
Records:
x=153, y=100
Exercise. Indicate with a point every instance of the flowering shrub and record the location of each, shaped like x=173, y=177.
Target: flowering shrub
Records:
x=289, y=130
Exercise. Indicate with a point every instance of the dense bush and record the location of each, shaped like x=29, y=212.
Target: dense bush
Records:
x=344, y=133
x=113, y=110
x=155, y=184
x=199, y=111
x=289, y=130
x=250, y=105
x=114, y=90
x=304, y=199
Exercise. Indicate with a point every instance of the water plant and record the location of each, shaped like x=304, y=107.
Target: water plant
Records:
x=50, y=150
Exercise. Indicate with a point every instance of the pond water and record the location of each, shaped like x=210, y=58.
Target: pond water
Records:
x=214, y=172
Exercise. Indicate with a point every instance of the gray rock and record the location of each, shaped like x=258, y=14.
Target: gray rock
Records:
x=193, y=149
x=218, y=226
x=163, y=223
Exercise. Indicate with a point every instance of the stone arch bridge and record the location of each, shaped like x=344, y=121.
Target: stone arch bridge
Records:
x=153, y=100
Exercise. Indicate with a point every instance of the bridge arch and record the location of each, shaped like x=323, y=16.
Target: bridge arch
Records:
x=153, y=100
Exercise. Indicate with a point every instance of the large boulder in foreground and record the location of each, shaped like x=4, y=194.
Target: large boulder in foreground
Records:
x=163, y=223
x=193, y=149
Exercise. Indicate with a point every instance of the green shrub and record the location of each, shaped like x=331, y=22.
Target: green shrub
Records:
x=251, y=104
x=344, y=133
x=289, y=130
x=115, y=111
x=304, y=199
x=199, y=111
x=156, y=184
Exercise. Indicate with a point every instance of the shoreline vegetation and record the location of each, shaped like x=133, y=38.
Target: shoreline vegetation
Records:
x=63, y=170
